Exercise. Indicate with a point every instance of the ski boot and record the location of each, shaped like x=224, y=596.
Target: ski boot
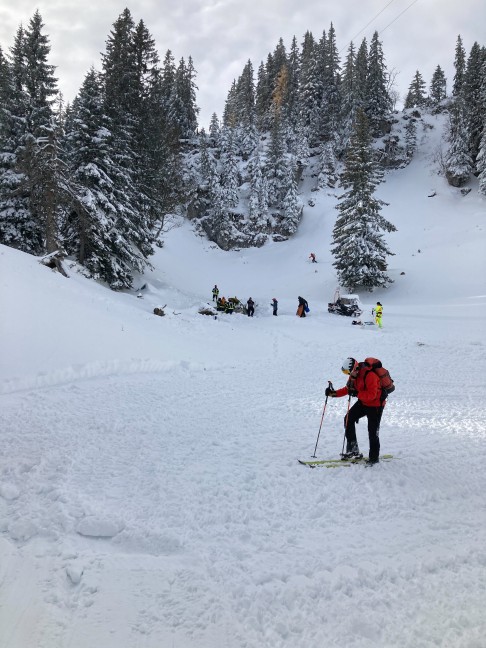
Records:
x=352, y=452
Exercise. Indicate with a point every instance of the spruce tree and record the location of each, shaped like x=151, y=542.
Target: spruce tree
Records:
x=359, y=248
x=90, y=232
x=349, y=97
x=438, y=86
x=291, y=205
x=331, y=82
x=458, y=164
x=460, y=68
x=122, y=106
x=229, y=169
x=481, y=159
x=410, y=137
x=310, y=89
x=378, y=103
x=29, y=187
x=416, y=97
x=471, y=90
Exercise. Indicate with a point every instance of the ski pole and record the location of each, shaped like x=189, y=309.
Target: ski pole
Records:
x=346, y=424
x=322, y=418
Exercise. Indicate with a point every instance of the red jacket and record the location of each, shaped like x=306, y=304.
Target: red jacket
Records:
x=369, y=389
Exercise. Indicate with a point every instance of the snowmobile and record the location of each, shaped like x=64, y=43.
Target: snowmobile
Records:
x=348, y=305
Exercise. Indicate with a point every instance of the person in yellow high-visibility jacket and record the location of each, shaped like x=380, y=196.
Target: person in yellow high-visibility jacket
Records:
x=378, y=313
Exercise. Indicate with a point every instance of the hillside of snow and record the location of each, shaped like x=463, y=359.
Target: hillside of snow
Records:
x=150, y=494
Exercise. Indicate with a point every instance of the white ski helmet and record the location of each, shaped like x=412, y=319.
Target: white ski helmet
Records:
x=348, y=365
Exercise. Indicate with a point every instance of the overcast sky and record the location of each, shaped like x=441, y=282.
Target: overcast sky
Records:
x=221, y=35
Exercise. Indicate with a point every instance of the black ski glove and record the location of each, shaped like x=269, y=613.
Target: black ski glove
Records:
x=330, y=392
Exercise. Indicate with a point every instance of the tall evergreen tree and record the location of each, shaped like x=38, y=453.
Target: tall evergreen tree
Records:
x=263, y=98
x=122, y=105
x=438, y=86
x=416, y=92
x=460, y=68
x=331, y=86
x=358, y=246
x=293, y=85
x=475, y=108
x=378, y=103
x=27, y=201
x=410, y=138
x=481, y=159
x=458, y=163
x=90, y=231
x=291, y=205
x=310, y=89
x=361, y=75
x=229, y=168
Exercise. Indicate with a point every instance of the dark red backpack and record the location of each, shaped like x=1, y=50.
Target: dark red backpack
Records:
x=386, y=381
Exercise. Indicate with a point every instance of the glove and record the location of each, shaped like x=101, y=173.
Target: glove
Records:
x=330, y=392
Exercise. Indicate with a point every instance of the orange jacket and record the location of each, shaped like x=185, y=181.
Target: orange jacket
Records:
x=367, y=385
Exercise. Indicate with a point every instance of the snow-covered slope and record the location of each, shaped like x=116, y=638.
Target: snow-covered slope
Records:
x=149, y=489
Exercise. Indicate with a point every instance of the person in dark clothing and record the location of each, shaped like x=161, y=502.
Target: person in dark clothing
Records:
x=364, y=384
x=274, y=305
x=215, y=293
x=312, y=257
x=303, y=307
x=250, y=307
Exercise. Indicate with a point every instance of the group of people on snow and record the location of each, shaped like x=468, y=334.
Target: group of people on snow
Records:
x=228, y=306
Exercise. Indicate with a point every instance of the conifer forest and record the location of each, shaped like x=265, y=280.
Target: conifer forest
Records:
x=100, y=179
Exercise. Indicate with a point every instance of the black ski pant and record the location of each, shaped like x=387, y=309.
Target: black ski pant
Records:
x=251, y=310
x=357, y=411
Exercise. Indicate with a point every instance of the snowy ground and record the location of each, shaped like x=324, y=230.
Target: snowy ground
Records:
x=150, y=495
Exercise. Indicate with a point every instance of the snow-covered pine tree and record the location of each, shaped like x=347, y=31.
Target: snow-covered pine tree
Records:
x=460, y=68
x=245, y=111
x=438, y=86
x=258, y=200
x=481, y=164
x=27, y=205
x=291, y=204
x=378, y=103
x=331, y=81
x=291, y=106
x=359, y=248
x=263, y=98
x=475, y=108
x=134, y=234
x=310, y=89
x=416, y=97
x=229, y=168
x=327, y=176
x=481, y=159
x=410, y=137
x=214, y=129
x=457, y=162
x=90, y=231
x=182, y=110
x=17, y=226
x=230, y=113
x=361, y=75
x=349, y=99
x=275, y=167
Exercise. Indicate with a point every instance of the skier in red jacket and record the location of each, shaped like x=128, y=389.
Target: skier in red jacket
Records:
x=364, y=384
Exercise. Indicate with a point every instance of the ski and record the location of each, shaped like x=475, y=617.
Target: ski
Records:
x=335, y=463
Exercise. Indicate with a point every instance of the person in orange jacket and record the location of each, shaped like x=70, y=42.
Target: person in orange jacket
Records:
x=365, y=384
